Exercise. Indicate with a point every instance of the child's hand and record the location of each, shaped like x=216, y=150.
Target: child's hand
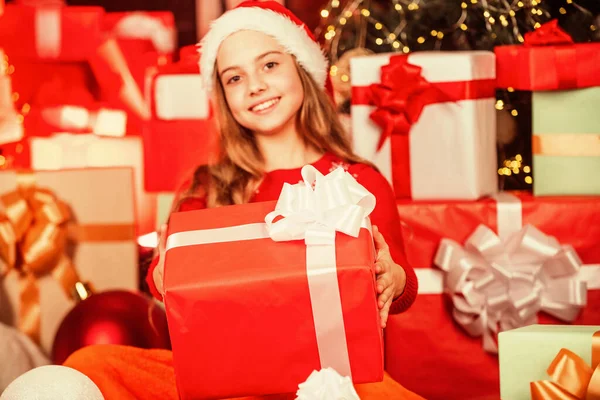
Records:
x=159, y=270
x=391, y=278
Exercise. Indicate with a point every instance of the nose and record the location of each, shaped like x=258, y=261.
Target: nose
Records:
x=256, y=85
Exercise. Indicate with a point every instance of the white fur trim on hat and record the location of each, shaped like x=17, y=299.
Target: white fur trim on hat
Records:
x=291, y=36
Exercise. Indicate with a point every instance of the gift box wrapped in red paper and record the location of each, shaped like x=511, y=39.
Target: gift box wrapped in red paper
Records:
x=50, y=33
x=59, y=45
x=180, y=135
x=147, y=38
x=173, y=150
x=434, y=330
x=548, y=60
x=102, y=121
x=262, y=322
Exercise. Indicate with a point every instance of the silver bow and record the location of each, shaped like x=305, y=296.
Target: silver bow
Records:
x=497, y=285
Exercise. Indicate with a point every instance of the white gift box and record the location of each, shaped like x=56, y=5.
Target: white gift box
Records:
x=96, y=197
x=67, y=151
x=180, y=96
x=452, y=146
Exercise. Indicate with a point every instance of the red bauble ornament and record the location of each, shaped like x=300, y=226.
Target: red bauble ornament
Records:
x=112, y=317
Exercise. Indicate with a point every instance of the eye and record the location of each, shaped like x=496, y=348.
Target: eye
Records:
x=233, y=79
x=271, y=65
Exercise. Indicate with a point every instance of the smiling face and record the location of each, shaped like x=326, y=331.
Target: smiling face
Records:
x=260, y=81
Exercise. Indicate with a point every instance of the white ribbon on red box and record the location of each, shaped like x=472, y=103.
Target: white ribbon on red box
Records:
x=140, y=25
x=500, y=282
x=102, y=122
x=48, y=28
x=313, y=211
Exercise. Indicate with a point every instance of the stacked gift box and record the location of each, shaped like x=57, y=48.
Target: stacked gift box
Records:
x=98, y=220
x=72, y=111
x=180, y=133
x=427, y=121
x=80, y=88
x=104, y=105
x=565, y=84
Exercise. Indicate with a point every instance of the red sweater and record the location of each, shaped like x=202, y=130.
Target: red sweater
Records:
x=385, y=215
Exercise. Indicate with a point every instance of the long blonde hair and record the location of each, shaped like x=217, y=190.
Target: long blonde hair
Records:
x=239, y=168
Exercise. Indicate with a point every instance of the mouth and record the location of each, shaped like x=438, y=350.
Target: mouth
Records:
x=265, y=105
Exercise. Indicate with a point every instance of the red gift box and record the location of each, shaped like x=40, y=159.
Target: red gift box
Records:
x=574, y=220
x=156, y=29
x=174, y=149
x=548, y=60
x=147, y=39
x=50, y=33
x=175, y=145
x=252, y=319
x=427, y=332
x=76, y=118
x=104, y=77
x=49, y=83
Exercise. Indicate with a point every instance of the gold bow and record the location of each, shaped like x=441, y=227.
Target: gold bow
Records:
x=571, y=377
x=33, y=239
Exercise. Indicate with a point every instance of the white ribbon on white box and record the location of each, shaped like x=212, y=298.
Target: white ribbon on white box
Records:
x=500, y=282
x=313, y=211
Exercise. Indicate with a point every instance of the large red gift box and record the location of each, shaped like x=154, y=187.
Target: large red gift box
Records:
x=60, y=56
x=428, y=333
x=242, y=309
x=147, y=38
x=50, y=33
x=548, y=60
x=574, y=220
x=173, y=150
x=181, y=135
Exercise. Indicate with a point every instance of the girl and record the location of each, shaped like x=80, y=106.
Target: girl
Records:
x=268, y=76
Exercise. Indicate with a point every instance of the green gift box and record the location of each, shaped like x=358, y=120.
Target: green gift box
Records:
x=566, y=142
x=526, y=353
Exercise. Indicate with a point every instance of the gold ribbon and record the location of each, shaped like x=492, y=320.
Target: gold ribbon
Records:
x=566, y=144
x=571, y=377
x=34, y=232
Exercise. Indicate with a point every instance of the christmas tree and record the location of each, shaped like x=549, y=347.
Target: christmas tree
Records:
x=359, y=27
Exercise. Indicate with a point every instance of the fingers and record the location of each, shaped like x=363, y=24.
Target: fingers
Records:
x=384, y=313
x=383, y=265
x=380, y=243
x=383, y=282
x=386, y=294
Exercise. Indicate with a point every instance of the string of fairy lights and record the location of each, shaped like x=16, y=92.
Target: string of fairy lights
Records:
x=8, y=69
x=356, y=24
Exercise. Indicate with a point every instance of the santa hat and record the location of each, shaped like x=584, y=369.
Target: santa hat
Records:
x=273, y=19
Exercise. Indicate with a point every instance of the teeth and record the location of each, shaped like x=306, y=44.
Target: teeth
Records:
x=265, y=105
